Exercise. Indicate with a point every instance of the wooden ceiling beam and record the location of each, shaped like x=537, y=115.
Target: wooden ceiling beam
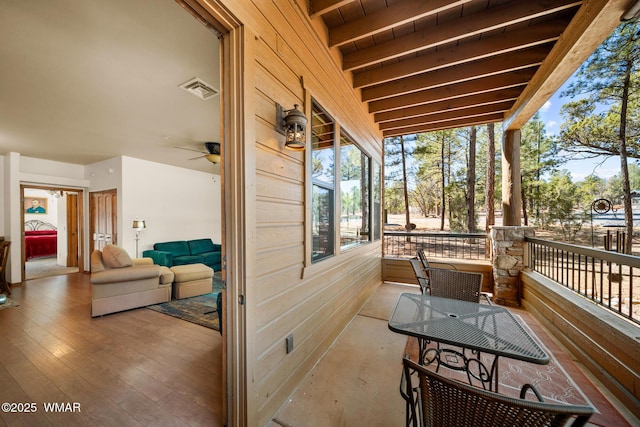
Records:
x=320, y=7
x=468, y=52
x=504, y=63
x=593, y=23
x=470, y=112
x=453, y=124
x=456, y=29
x=398, y=13
x=493, y=97
x=471, y=87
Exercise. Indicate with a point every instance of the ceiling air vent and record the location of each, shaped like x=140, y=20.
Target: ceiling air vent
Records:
x=199, y=88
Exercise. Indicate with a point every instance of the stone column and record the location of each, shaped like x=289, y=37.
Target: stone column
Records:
x=508, y=250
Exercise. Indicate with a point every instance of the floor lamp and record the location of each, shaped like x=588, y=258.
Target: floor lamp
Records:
x=138, y=225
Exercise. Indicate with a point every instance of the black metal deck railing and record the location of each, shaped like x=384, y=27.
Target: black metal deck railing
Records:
x=609, y=279
x=436, y=245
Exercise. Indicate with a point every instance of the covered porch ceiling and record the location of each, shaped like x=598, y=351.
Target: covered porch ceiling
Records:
x=430, y=65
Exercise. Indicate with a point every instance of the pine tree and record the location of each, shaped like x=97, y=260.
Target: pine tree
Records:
x=539, y=155
x=608, y=79
x=471, y=182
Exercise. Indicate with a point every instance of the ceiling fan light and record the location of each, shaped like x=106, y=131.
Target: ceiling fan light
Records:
x=213, y=158
x=212, y=147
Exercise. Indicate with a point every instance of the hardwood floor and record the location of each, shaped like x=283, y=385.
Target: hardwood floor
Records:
x=137, y=367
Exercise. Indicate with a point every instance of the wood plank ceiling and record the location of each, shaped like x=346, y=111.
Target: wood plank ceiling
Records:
x=440, y=64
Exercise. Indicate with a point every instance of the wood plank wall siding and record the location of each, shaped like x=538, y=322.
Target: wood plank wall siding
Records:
x=289, y=63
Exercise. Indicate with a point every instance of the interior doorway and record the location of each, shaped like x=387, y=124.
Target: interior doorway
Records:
x=232, y=35
x=51, y=231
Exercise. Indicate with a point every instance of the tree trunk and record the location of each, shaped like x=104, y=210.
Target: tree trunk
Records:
x=364, y=172
x=624, y=169
x=406, y=192
x=443, y=177
x=491, y=179
x=471, y=182
x=537, y=189
x=523, y=194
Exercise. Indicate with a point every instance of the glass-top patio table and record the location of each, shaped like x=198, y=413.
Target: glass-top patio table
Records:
x=477, y=328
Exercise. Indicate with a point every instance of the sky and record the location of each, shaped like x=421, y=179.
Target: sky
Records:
x=579, y=169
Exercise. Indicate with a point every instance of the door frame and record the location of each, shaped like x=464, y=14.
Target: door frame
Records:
x=239, y=407
x=73, y=227
x=79, y=219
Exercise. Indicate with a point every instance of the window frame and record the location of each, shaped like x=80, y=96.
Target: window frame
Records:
x=357, y=242
x=331, y=186
x=372, y=165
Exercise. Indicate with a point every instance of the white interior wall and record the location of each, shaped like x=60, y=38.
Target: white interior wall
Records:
x=176, y=204
x=105, y=175
x=63, y=241
x=12, y=210
x=30, y=166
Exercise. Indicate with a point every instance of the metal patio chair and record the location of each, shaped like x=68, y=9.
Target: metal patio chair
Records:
x=421, y=275
x=453, y=284
x=460, y=285
x=438, y=401
x=425, y=262
x=422, y=270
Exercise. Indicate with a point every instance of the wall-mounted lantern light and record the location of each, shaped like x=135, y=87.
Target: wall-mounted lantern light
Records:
x=292, y=124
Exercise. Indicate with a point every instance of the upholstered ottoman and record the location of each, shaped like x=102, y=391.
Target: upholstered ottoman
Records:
x=166, y=276
x=191, y=280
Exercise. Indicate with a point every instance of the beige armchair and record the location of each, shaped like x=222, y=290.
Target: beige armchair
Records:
x=120, y=283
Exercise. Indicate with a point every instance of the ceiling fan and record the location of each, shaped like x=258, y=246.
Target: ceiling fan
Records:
x=212, y=152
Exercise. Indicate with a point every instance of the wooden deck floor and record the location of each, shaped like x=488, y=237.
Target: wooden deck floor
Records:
x=132, y=368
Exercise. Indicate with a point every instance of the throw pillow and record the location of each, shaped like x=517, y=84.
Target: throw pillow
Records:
x=116, y=257
x=97, y=263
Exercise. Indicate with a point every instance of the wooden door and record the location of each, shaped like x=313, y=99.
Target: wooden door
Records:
x=72, y=230
x=103, y=218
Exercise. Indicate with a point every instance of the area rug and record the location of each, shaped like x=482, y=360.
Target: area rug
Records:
x=561, y=381
x=201, y=310
x=8, y=304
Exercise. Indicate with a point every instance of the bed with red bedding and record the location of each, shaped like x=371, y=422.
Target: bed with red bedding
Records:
x=40, y=243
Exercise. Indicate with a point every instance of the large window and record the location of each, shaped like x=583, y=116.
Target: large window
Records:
x=323, y=183
x=343, y=207
x=354, y=193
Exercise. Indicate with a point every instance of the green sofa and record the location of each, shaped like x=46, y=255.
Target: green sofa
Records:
x=182, y=252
